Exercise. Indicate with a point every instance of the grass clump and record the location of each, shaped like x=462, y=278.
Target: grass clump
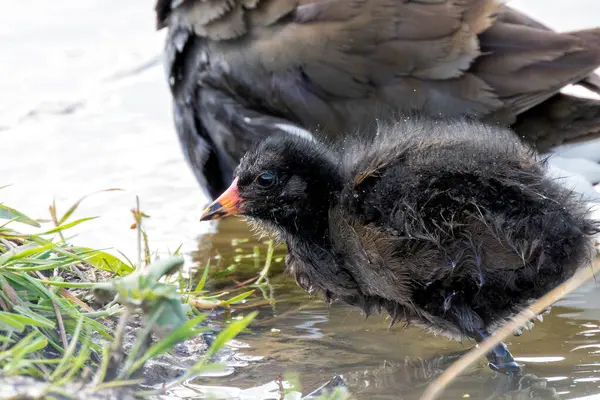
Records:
x=64, y=308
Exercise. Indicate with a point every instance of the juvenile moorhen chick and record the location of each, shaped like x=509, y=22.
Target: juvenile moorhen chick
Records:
x=453, y=225
x=240, y=70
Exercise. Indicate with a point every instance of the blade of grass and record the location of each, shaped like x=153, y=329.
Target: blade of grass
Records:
x=54, y=217
x=79, y=361
x=21, y=252
x=202, y=282
x=232, y=330
x=7, y=322
x=39, y=319
x=101, y=372
x=178, y=250
x=59, y=320
x=67, y=226
x=29, y=344
x=71, y=297
x=12, y=214
x=180, y=334
x=105, y=261
x=72, y=285
x=140, y=340
x=117, y=384
x=131, y=264
x=61, y=368
x=74, y=207
x=238, y=298
x=6, y=223
x=24, y=320
x=7, y=289
x=265, y=271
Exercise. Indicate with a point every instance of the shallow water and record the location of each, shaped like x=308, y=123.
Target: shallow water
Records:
x=300, y=334
x=84, y=106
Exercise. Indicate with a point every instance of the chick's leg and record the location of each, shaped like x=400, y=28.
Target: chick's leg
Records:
x=499, y=358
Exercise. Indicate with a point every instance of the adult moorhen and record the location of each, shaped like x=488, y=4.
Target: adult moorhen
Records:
x=240, y=70
x=451, y=225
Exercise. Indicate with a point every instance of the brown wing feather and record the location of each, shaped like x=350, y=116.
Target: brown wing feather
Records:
x=526, y=65
x=370, y=258
x=423, y=55
x=332, y=65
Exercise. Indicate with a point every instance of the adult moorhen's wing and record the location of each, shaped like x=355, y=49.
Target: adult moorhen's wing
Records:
x=561, y=118
x=242, y=69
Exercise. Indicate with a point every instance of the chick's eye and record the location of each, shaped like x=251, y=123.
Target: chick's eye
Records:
x=266, y=179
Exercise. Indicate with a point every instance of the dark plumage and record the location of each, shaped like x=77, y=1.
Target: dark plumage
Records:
x=240, y=70
x=450, y=225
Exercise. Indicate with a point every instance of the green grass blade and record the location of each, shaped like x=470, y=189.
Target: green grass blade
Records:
x=21, y=252
x=105, y=261
x=180, y=334
x=232, y=330
x=61, y=368
x=74, y=207
x=10, y=213
x=131, y=264
x=27, y=321
x=67, y=226
x=31, y=343
x=75, y=285
x=238, y=297
x=202, y=282
x=7, y=322
x=178, y=250
x=78, y=362
x=101, y=372
x=140, y=339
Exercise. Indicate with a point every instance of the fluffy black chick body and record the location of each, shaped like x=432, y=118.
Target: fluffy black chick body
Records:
x=472, y=226
x=440, y=227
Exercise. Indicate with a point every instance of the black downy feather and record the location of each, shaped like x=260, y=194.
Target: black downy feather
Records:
x=452, y=225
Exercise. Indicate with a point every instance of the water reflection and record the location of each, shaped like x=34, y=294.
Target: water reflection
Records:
x=308, y=325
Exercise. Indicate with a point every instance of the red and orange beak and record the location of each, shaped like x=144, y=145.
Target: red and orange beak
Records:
x=228, y=203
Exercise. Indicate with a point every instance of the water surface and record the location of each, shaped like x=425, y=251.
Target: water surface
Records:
x=298, y=333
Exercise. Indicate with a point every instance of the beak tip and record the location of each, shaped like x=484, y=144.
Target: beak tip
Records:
x=217, y=211
x=205, y=217
x=225, y=205
x=210, y=212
